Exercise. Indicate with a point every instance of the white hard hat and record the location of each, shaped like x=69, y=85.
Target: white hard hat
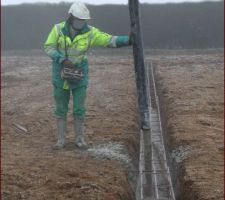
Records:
x=79, y=10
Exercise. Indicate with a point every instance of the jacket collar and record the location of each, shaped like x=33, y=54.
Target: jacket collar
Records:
x=65, y=29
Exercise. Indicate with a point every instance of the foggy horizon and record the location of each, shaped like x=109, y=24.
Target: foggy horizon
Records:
x=101, y=2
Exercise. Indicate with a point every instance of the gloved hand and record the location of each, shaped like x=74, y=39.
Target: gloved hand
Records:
x=131, y=38
x=67, y=63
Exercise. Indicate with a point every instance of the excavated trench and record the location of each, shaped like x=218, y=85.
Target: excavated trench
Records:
x=158, y=172
x=152, y=171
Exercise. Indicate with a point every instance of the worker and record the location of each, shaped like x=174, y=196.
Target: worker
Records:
x=67, y=45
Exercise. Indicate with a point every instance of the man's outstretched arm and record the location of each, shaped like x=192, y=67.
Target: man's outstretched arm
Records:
x=102, y=39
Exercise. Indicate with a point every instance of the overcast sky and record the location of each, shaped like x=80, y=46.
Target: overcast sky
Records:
x=9, y=2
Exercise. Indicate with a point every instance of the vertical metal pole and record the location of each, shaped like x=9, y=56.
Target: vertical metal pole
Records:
x=139, y=63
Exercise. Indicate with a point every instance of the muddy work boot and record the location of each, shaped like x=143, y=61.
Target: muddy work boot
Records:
x=61, y=129
x=79, y=131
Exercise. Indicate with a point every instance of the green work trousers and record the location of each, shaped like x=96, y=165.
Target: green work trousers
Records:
x=62, y=98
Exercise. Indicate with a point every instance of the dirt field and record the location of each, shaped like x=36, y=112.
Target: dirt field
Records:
x=191, y=92
x=31, y=169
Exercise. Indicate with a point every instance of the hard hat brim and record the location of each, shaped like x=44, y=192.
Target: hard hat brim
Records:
x=85, y=18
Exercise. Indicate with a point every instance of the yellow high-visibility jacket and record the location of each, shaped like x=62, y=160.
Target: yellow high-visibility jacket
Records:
x=76, y=49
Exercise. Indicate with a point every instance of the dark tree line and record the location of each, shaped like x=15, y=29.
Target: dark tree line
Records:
x=186, y=25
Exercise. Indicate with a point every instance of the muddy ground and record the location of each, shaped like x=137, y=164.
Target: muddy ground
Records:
x=31, y=169
x=190, y=87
